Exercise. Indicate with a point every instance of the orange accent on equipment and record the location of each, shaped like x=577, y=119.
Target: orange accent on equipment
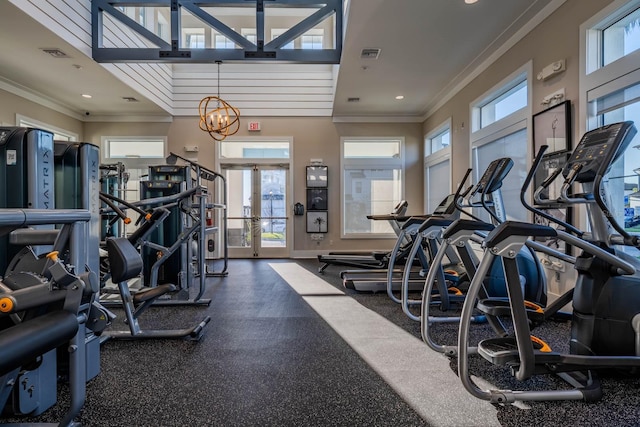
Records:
x=6, y=305
x=533, y=306
x=544, y=347
x=53, y=256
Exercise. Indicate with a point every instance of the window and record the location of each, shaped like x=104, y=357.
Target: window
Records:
x=311, y=42
x=222, y=42
x=133, y=148
x=163, y=28
x=623, y=181
x=193, y=38
x=610, y=80
x=506, y=103
x=611, y=39
x=277, y=32
x=513, y=145
x=313, y=39
x=499, y=124
x=372, y=184
x=438, y=142
x=249, y=34
x=137, y=154
x=58, y=134
x=621, y=38
x=258, y=149
x=437, y=176
x=437, y=166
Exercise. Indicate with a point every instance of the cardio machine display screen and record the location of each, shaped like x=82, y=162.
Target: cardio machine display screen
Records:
x=597, y=148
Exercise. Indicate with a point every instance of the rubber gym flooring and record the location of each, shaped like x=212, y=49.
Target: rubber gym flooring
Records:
x=288, y=347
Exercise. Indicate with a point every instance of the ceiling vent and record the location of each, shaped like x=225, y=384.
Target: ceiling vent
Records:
x=130, y=99
x=354, y=99
x=55, y=52
x=370, y=53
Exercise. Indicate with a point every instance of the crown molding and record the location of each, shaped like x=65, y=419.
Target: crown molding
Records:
x=28, y=94
x=128, y=119
x=377, y=119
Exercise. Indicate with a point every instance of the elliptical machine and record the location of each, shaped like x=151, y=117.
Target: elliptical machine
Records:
x=605, y=331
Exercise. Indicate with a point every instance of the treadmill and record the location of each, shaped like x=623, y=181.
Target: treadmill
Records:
x=369, y=260
x=375, y=280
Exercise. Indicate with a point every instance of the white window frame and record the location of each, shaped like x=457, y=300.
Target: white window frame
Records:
x=503, y=133
x=596, y=80
x=436, y=158
x=508, y=125
x=197, y=31
x=254, y=139
x=137, y=162
x=227, y=41
x=372, y=163
x=523, y=73
x=25, y=121
x=314, y=32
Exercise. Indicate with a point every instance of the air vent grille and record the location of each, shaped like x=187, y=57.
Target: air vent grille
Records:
x=353, y=99
x=55, y=52
x=370, y=53
x=130, y=99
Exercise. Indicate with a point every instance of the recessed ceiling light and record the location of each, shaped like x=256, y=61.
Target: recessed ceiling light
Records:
x=400, y=97
x=86, y=95
x=470, y=1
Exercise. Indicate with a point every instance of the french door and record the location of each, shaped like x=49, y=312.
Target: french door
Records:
x=257, y=209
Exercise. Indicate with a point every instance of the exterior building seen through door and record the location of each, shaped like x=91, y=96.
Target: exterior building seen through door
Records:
x=257, y=207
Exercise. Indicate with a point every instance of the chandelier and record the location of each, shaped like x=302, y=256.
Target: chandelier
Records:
x=217, y=117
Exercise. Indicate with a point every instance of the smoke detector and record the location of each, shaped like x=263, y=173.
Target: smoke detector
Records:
x=370, y=53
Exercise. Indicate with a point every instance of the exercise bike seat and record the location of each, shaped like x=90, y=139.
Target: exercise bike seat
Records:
x=126, y=263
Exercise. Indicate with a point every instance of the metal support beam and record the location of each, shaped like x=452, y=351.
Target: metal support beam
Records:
x=162, y=51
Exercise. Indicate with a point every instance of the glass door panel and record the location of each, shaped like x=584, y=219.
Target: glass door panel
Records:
x=257, y=210
x=273, y=210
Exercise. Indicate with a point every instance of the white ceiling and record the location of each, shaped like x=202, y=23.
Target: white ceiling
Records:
x=427, y=47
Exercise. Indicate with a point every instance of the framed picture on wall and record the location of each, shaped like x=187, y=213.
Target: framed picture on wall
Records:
x=317, y=199
x=317, y=176
x=552, y=127
x=317, y=222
